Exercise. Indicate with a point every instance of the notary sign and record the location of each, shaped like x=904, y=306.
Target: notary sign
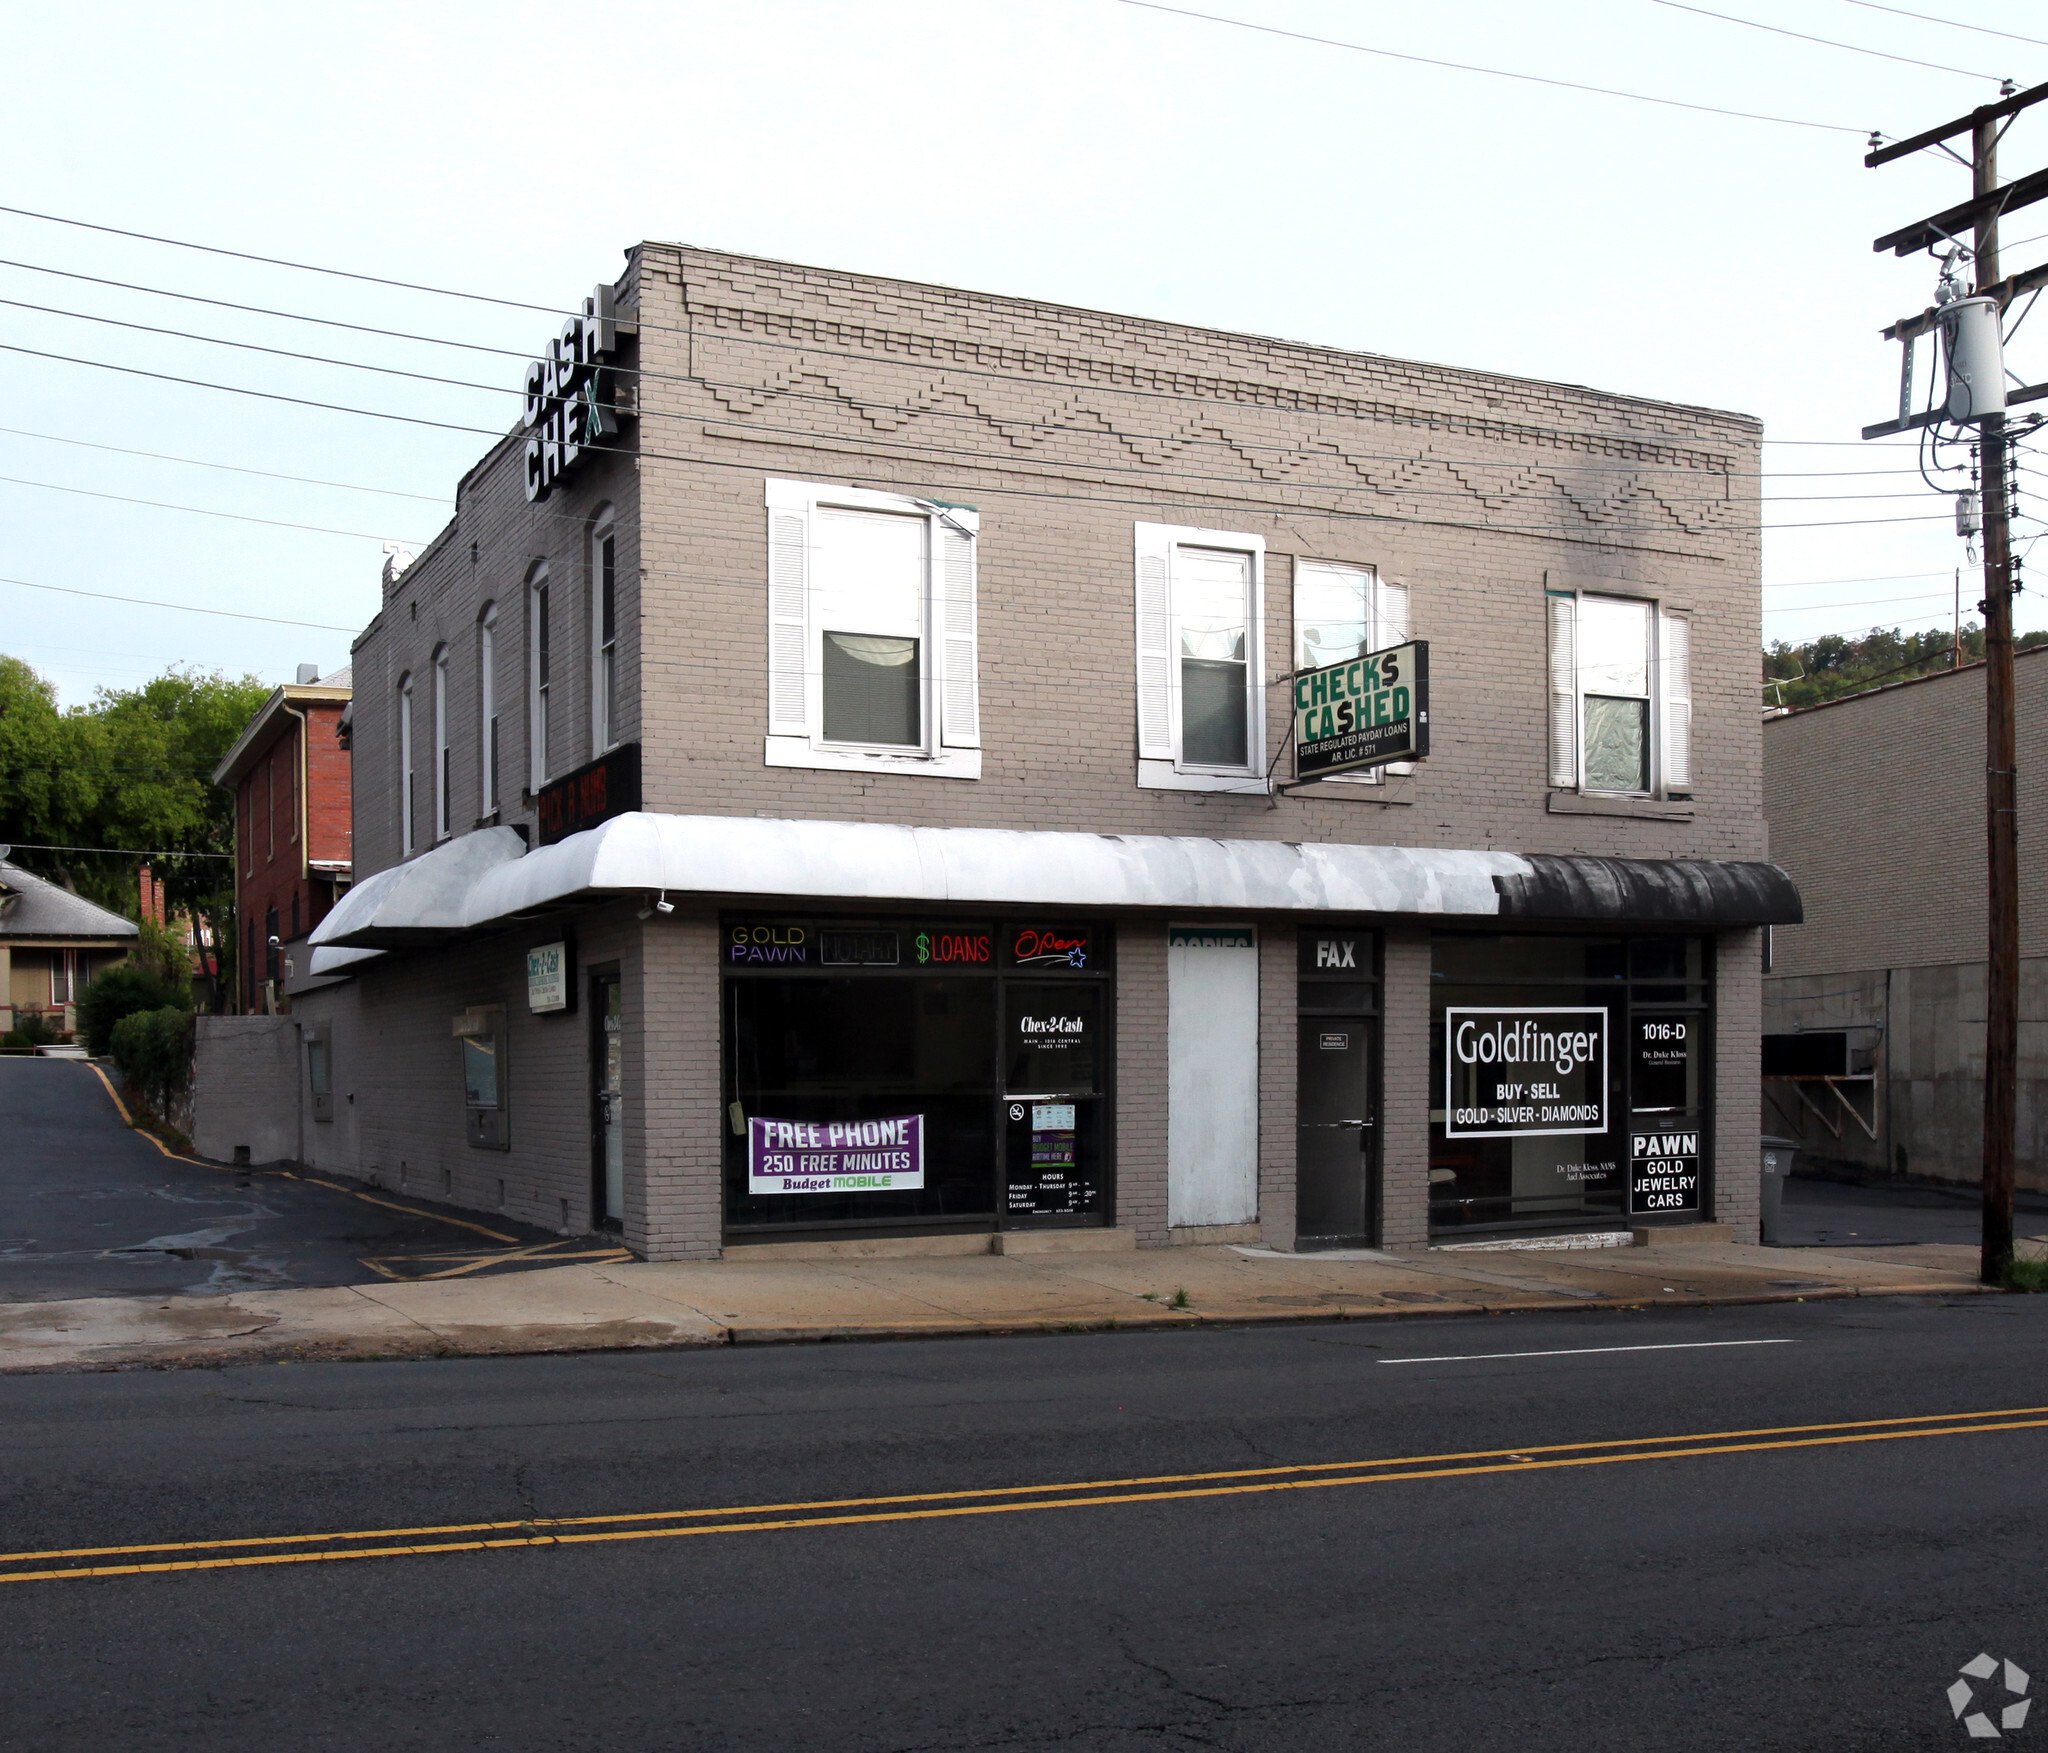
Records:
x=838, y=1156
x=1663, y=1171
x=1362, y=713
x=1525, y=1071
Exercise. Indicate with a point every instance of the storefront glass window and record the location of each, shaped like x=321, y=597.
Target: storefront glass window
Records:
x=1569, y=1081
x=908, y=1073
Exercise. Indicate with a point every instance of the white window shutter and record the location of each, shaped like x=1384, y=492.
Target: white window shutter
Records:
x=788, y=623
x=1564, y=690
x=1155, y=644
x=960, y=682
x=1390, y=627
x=1674, y=652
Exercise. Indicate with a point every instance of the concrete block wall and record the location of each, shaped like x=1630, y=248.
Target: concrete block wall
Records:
x=1278, y=1034
x=1922, y=1031
x=1068, y=427
x=396, y=1066
x=1141, y=1079
x=1738, y=1079
x=1880, y=799
x=1405, y=1096
x=675, y=1198
x=245, y=1088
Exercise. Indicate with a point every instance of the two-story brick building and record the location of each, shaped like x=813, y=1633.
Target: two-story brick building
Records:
x=834, y=780
x=294, y=822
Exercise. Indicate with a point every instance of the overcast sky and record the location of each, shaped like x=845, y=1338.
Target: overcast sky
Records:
x=1084, y=151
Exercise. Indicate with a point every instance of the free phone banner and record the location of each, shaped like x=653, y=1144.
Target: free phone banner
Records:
x=838, y=1156
x=1524, y=1071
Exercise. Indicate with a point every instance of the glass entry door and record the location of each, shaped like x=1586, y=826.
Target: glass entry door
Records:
x=1336, y=1109
x=608, y=1056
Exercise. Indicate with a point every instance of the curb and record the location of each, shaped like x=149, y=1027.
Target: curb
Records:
x=431, y=1346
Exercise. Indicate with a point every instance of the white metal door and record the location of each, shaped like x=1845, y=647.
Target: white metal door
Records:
x=1212, y=1075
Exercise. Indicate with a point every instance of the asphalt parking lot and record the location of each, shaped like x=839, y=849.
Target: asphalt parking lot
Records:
x=1834, y=1214
x=89, y=1208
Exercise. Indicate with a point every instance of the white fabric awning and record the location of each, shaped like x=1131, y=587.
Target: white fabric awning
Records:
x=488, y=876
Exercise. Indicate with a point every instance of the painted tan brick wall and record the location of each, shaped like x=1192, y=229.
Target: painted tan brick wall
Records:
x=1876, y=807
x=1065, y=427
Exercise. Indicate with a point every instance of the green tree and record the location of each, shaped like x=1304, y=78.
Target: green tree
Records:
x=133, y=772
x=1835, y=665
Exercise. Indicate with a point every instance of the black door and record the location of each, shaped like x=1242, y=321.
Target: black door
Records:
x=1334, y=1155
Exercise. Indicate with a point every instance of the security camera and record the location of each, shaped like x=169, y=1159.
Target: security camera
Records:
x=275, y=940
x=664, y=905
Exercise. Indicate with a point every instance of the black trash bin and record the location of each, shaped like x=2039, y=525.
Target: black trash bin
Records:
x=1777, y=1170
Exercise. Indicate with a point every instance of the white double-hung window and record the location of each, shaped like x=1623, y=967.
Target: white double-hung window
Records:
x=1201, y=681
x=1620, y=696
x=872, y=661
x=1342, y=611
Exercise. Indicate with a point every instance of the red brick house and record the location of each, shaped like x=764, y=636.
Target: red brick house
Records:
x=289, y=771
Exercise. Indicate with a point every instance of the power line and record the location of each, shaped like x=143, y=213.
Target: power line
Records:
x=1825, y=42
x=1956, y=23
x=79, y=316
x=238, y=390
x=1495, y=72
x=302, y=267
x=265, y=311
x=187, y=608
x=643, y=322
x=205, y=511
x=118, y=852
x=237, y=469
x=640, y=371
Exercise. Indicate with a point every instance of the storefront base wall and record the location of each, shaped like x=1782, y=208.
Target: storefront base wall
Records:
x=1279, y=1000
x=1141, y=1081
x=675, y=1105
x=1405, y=1097
x=396, y=1070
x=1738, y=1091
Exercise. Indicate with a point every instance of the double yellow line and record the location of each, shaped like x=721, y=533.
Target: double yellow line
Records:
x=232, y=1554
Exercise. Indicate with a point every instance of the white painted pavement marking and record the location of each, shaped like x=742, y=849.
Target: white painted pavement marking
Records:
x=1588, y=1350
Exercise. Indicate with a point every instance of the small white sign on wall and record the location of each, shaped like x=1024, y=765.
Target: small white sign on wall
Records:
x=547, y=977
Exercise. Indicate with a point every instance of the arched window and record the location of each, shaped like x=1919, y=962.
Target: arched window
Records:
x=539, y=682
x=487, y=708
x=406, y=831
x=443, y=772
x=604, y=633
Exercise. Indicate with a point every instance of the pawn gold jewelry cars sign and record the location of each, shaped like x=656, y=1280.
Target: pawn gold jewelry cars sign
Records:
x=1364, y=712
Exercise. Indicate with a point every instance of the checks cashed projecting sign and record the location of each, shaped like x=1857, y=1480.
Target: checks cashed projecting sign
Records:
x=1363, y=713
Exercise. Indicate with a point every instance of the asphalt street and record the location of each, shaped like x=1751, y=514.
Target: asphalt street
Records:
x=1834, y=1214
x=89, y=1208
x=1158, y=1541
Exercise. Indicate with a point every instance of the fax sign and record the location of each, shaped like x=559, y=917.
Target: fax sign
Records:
x=1362, y=713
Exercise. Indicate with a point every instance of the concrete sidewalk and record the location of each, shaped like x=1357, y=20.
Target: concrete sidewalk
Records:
x=741, y=1301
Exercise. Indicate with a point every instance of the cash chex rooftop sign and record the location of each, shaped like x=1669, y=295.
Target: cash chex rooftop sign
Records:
x=572, y=402
x=1362, y=713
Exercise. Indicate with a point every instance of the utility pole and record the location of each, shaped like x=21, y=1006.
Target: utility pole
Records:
x=2001, y=773
x=1960, y=399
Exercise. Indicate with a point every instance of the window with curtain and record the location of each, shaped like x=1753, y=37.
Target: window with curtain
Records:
x=1201, y=723
x=487, y=708
x=539, y=678
x=604, y=637
x=406, y=829
x=443, y=761
x=1342, y=611
x=872, y=632
x=1620, y=696
x=868, y=581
